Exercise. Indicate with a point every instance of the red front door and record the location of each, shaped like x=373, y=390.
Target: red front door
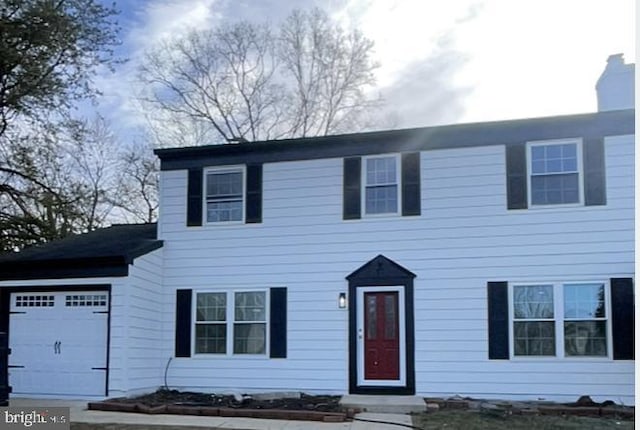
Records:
x=381, y=342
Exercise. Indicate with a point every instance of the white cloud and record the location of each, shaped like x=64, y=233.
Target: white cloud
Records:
x=541, y=58
x=463, y=60
x=171, y=18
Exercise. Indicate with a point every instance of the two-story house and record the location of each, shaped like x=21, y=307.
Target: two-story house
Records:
x=490, y=260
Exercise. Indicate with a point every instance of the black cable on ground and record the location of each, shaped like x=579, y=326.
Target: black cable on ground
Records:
x=388, y=422
x=166, y=369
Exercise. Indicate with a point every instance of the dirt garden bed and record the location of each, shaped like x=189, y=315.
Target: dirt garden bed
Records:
x=286, y=406
x=471, y=414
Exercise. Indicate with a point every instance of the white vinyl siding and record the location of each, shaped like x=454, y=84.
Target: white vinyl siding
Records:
x=464, y=238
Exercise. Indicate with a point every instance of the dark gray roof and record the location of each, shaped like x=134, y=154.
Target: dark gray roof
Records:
x=103, y=252
x=589, y=125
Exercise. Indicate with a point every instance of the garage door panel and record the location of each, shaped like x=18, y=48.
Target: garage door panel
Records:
x=59, y=343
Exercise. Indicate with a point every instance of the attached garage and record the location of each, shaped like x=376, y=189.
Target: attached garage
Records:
x=66, y=308
x=59, y=342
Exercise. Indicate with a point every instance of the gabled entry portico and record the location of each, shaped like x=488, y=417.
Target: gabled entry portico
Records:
x=381, y=329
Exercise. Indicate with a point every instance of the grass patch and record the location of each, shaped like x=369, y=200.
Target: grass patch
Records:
x=474, y=420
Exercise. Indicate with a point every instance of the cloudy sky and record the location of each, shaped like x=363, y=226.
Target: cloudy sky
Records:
x=442, y=61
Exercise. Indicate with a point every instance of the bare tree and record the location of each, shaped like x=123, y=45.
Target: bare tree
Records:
x=223, y=78
x=138, y=199
x=94, y=154
x=72, y=179
x=247, y=82
x=331, y=69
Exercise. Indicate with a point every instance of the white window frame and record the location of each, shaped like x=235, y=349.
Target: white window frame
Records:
x=195, y=324
x=539, y=319
x=230, y=321
x=398, y=183
x=221, y=170
x=580, y=171
x=265, y=322
x=559, y=319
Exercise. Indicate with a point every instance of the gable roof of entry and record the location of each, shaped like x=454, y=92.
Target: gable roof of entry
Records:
x=104, y=252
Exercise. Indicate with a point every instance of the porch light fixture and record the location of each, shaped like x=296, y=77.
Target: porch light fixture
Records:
x=342, y=300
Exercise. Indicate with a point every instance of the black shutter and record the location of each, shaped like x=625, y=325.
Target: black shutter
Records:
x=351, y=184
x=183, y=323
x=622, y=318
x=498, y=305
x=278, y=323
x=411, y=184
x=194, y=197
x=254, y=194
x=516, y=176
x=595, y=190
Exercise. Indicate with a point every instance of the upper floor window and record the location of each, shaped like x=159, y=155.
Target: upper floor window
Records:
x=224, y=196
x=381, y=184
x=555, y=173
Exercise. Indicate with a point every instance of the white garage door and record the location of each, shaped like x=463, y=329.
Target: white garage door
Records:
x=58, y=343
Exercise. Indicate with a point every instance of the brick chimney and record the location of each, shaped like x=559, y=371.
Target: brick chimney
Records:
x=616, y=85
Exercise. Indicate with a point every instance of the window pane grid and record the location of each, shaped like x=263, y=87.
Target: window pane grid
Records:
x=381, y=185
x=381, y=171
x=585, y=323
x=534, y=338
x=578, y=328
x=555, y=177
x=211, y=338
x=534, y=323
x=585, y=338
x=211, y=327
x=224, y=196
x=249, y=328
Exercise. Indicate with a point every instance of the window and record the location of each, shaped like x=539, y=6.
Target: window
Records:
x=247, y=330
x=30, y=301
x=560, y=319
x=585, y=324
x=555, y=173
x=381, y=179
x=211, y=326
x=533, y=326
x=224, y=195
x=86, y=300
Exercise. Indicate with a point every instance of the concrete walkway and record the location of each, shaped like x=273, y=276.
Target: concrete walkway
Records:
x=80, y=414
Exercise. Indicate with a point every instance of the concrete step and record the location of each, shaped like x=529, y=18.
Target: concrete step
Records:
x=384, y=404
